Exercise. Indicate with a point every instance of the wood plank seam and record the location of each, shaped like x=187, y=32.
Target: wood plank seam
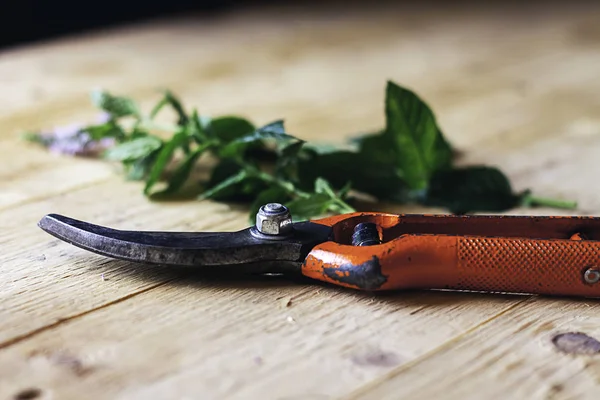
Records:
x=61, y=321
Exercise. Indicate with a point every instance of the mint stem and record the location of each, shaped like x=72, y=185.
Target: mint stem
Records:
x=535, y=201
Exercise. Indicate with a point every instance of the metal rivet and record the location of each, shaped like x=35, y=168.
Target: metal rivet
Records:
x=591, y=275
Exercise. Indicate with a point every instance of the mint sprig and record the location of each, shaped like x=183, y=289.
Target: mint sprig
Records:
x=408, y=161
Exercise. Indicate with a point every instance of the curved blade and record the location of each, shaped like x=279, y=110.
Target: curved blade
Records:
x=185, y=248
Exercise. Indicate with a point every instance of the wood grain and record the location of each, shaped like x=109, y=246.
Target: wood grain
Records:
x=491, y=362
x=46, y=281
x=234, y=340
x=517, y=87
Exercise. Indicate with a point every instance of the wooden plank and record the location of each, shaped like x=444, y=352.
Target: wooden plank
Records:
x=270, y=45
x=32, y=174
x=237, y=340
x=511, y=357
x=46, y=280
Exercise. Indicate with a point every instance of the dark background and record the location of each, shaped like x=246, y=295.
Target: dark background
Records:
x=28, y=21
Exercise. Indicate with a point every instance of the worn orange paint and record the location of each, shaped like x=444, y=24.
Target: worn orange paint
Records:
x=519, y=254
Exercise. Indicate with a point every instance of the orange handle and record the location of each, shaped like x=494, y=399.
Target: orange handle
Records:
x=553, y=267
x=560, y=265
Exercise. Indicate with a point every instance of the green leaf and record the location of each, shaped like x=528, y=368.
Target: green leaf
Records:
x=364, y=174
x=340, y=205
x=314, y=206
x=287, y=161
x=305, y=208
x=109, y=129
x=164, y=157
x=412, y=131
x=170, y=99
x=317, y=204
x=138, y=169
x=221, y=189
x=231, y=182
x=409, y=160
x=323, y=187
x=134, y=149
x=379, y=149
x=116, y=106
x=229, y=128
x=196, y=128
x=182, y=172
x=471, y=189
x=274, y=130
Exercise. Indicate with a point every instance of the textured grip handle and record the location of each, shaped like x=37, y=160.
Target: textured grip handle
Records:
x=554, y=267
x=522, y=254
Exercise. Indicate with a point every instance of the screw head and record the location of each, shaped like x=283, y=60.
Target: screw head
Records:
x=274, y=219
x=592, y=275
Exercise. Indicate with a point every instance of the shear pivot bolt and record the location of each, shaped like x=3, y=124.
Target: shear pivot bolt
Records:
x=274, y=219
x=365, y=234
x=592, y=275
x=274, y=208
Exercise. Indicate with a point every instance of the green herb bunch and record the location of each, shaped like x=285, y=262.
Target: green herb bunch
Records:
x=408, y=161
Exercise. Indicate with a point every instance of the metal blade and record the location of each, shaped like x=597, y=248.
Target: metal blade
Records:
x=188, y=248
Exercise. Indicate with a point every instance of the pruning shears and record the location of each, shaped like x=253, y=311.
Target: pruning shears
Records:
x=371, y=251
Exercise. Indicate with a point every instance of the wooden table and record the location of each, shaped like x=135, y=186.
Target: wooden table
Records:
x=516, y=88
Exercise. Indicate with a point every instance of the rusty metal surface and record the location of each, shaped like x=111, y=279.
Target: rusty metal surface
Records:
x=191, y=249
